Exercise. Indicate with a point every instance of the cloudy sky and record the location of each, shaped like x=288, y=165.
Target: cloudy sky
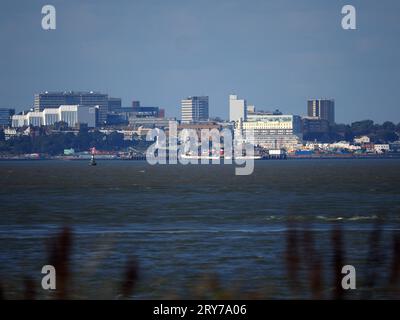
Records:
x=275, y=53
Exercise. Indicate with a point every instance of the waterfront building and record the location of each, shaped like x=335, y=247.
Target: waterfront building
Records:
x=272, y=131
x=71, y=114
x=237, y=108
x=194, y=109
x=46, y=100
x=345, y=145
x=322, y=109
x=11, y=133
x=362, y=140
x=381, y=148
x=395, y=146
x=5, y=117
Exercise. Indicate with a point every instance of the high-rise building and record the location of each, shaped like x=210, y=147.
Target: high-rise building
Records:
x=237, y=108
x=87, y=98
x=322, y=108
x=194, y=109
x=49, y=100
x=5, y=117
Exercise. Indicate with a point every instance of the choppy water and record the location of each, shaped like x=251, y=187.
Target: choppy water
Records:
x=187, y=223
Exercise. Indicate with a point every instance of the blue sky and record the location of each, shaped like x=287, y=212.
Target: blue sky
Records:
x=276, y=54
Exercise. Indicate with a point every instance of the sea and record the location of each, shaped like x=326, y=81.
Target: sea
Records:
x=200, y=231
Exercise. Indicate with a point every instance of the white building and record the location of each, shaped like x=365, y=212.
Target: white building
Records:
x=71, y=114
x=50, y=116
x=381, y=148
x=35, y=119
x=76, y=114
x=11, y=132
x=237, y=108
x=19, y=120
x=273, y=131
x=362, y=139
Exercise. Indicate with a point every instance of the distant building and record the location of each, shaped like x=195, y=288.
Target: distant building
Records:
x=145, y=112
x=19, y=120
x=322, y=108
x=135, y=104
x=237, y=108
x=314, y=126
x=362, y=140
x=250, y=109
x=273, y=131
x=71, y=114
x=395, y=146
x=252, y=112
x=47, y=100
x=114, y=103
x=254, y=115
x=121, y=116
x=381, y=148
x=35, y=118
x=74, y=115
x=148, y=122
x=51, y=116
x=345, y=145
x=10, y=133
x=194, y=109
x=5, y=117
x=199, y=126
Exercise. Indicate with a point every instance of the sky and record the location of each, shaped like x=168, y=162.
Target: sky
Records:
x=273, y=53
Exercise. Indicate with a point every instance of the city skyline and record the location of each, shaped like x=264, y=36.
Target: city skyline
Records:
x=279, y=56
x=305, y=113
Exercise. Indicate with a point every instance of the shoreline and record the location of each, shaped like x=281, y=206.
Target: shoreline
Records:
x=288, y=157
